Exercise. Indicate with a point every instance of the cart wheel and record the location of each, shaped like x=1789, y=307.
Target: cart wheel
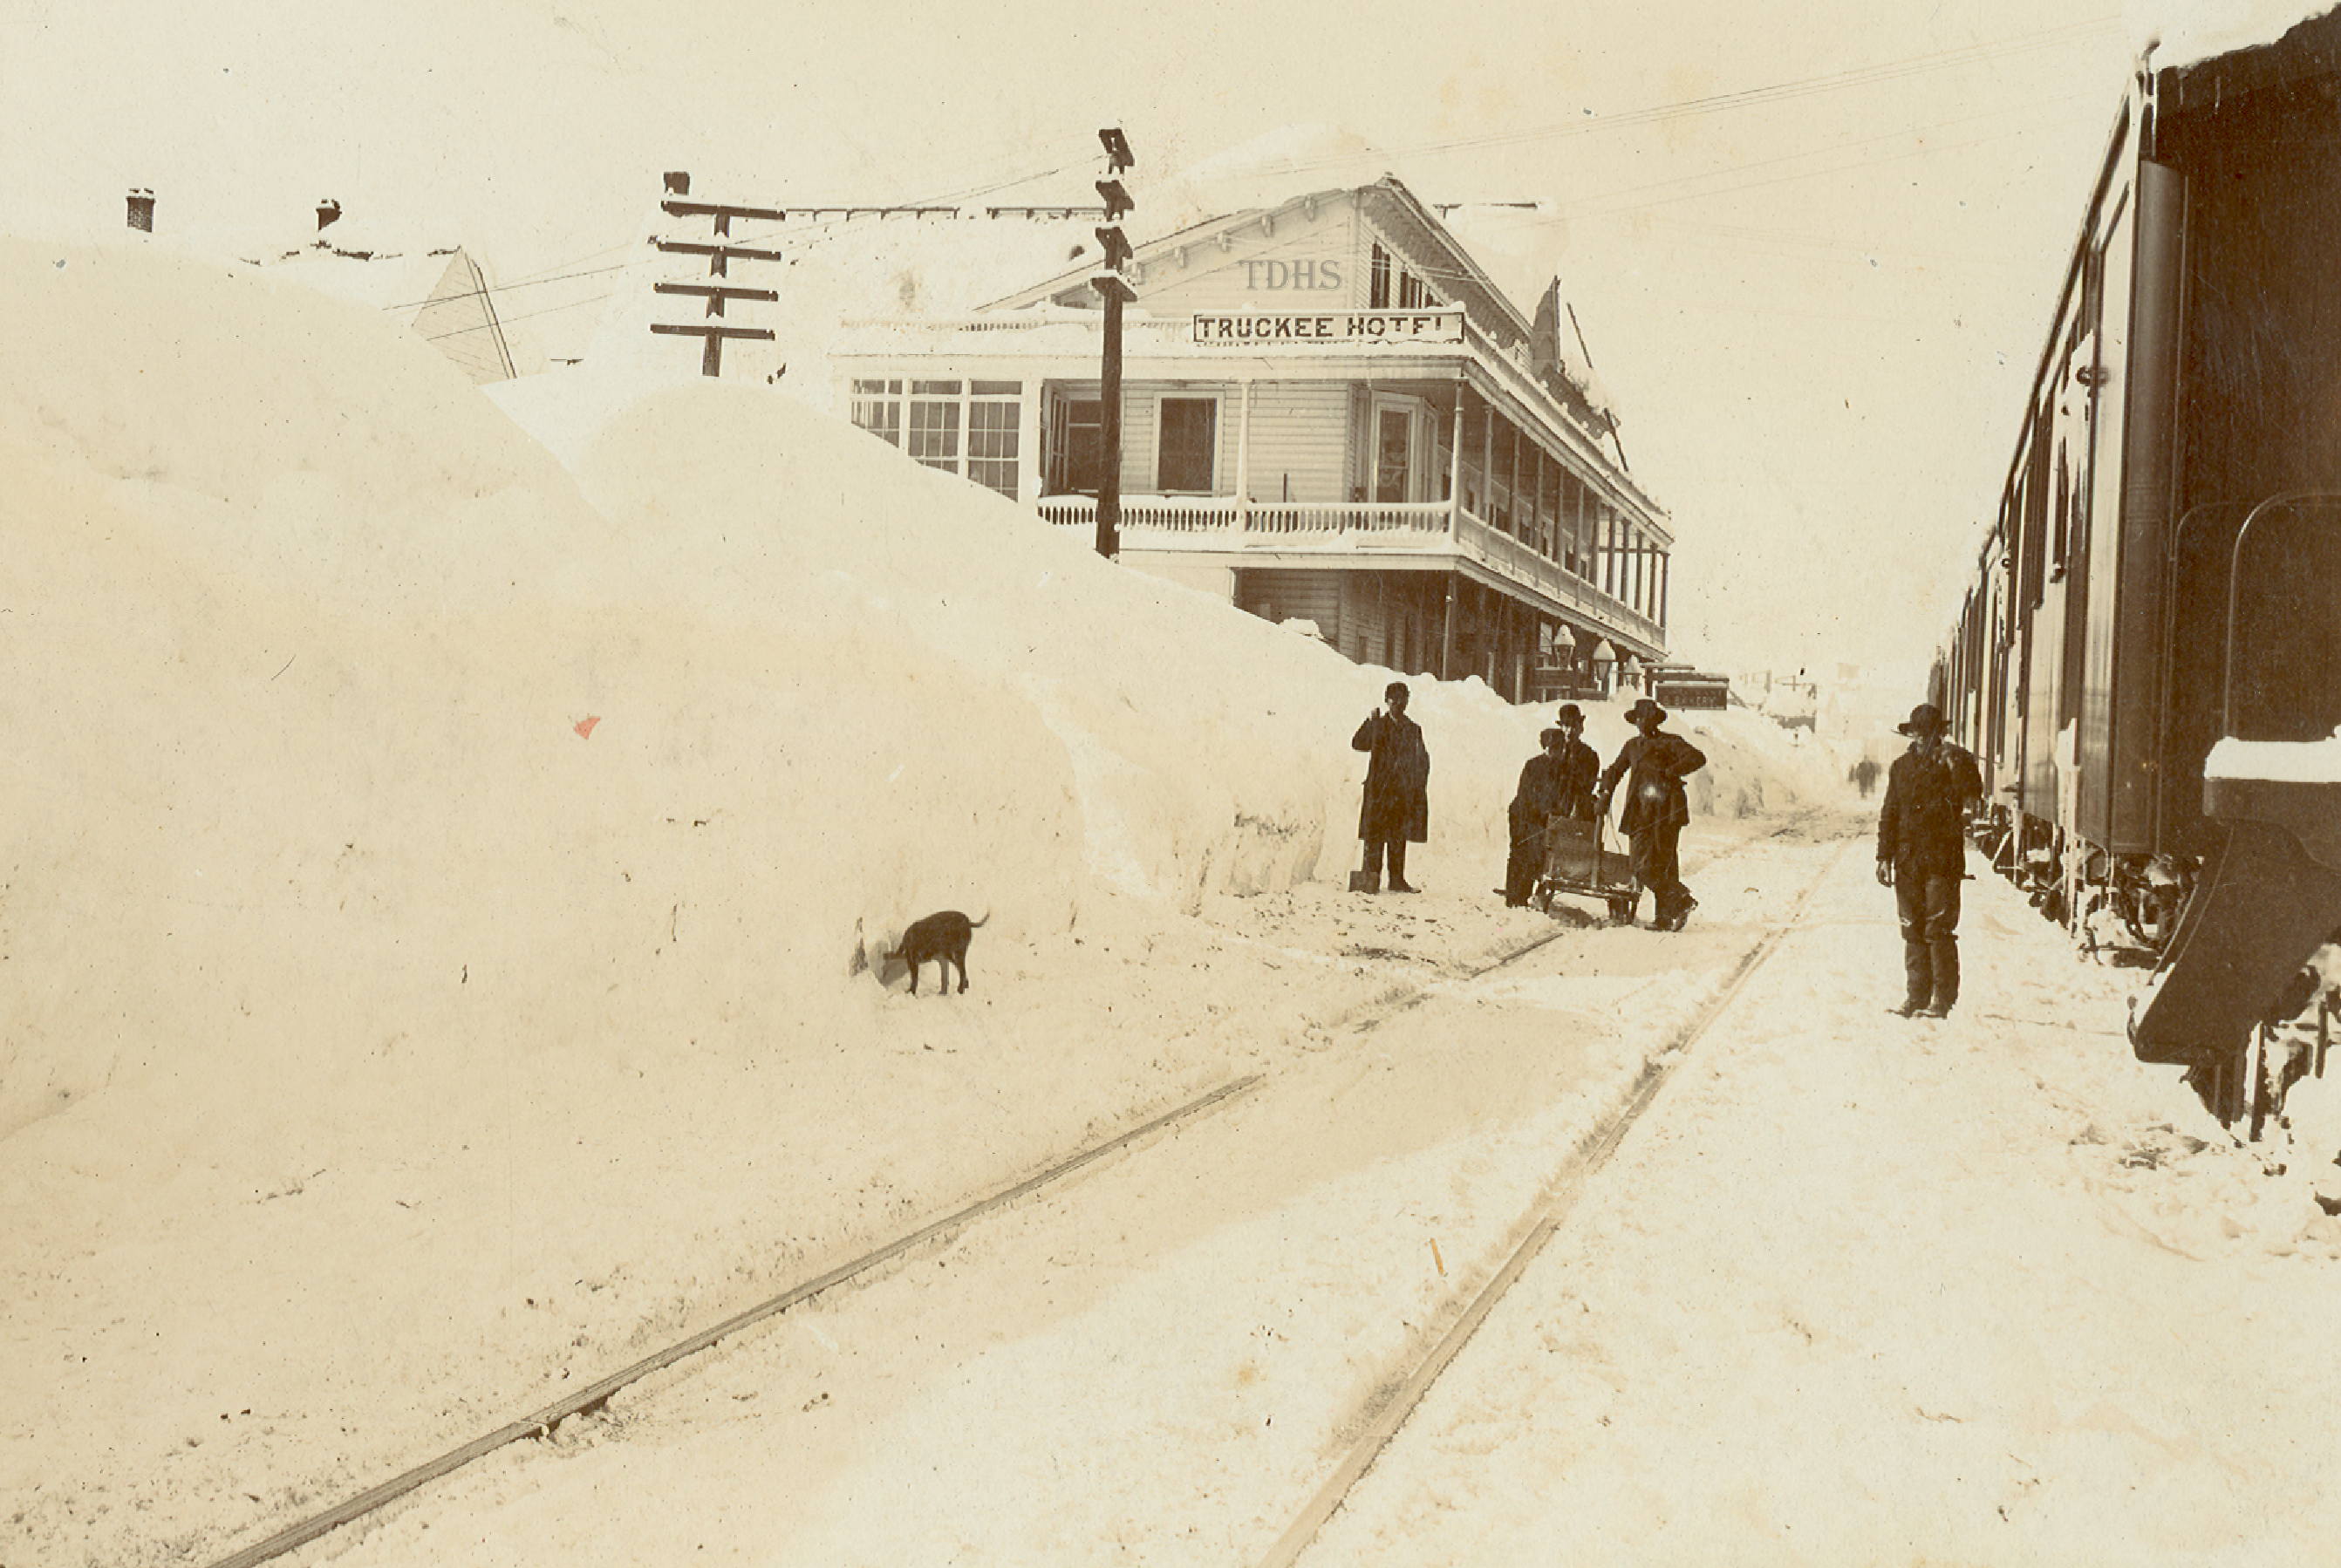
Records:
x=1622, y=913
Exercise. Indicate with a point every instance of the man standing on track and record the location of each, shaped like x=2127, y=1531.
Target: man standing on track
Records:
x=1396, y=810
x=1657, y=809
x=1922, y=855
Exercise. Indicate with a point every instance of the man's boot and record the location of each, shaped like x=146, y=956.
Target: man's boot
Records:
x=1917, y=978
x=1943, y=956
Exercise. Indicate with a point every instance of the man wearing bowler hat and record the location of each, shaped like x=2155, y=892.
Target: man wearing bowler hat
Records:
x=1395, y=808
x=1580, y=768
x=1657, y=809
x=1922, y=855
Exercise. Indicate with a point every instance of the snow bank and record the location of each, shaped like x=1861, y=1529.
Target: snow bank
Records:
x=346, y=721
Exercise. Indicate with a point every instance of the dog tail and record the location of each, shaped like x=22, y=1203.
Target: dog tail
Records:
x=973, y=924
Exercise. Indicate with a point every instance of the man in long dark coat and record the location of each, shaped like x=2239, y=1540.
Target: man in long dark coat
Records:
x=1657, y=808
x=1396, y=810
x=1922, y=855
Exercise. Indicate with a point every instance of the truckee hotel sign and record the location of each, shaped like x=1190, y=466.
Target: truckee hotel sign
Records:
x=1252, y=327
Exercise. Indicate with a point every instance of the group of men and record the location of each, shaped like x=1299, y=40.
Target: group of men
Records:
x=1566, y=781
x=1921, y=828
x=1563, y=780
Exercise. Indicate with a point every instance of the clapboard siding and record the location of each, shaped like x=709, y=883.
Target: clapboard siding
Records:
x=1300, y=437
x=1305, y=265
x=1295, y=596
x=1299, y=440
x=1387, y=618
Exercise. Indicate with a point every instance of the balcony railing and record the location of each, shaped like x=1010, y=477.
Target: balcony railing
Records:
x=1225, y=524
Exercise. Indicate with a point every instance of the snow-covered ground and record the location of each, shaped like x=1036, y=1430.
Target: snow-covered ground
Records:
x=436, y=883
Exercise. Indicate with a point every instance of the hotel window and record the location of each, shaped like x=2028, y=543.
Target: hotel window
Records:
x=994, y=413
x=935, y=424
x=1188, y=443
x=1378, y=291
x=878, y=409
x=967, y=428
x=1076, y=437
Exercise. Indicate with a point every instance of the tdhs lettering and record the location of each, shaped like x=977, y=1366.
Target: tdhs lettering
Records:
x=1260, y=275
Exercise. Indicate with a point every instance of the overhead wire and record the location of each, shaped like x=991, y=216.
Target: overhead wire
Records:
x=1838, y=81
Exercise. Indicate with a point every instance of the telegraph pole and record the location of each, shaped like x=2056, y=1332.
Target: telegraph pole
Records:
x=1110, y=282
x=720, y=253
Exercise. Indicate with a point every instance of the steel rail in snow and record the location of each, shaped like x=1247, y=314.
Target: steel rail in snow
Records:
x=596, y=1394
x=1586, y=1160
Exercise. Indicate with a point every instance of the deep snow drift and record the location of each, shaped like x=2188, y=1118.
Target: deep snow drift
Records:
x=431, y=878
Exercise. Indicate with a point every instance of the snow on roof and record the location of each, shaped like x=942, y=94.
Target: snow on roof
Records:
x=2291, y=761
x=1266, y=172
x=2187, y=32
x=397, y=283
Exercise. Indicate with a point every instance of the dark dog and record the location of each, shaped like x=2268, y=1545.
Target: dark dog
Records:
x=943, y=936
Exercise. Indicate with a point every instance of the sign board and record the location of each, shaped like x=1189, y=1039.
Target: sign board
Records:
x=1348, y=328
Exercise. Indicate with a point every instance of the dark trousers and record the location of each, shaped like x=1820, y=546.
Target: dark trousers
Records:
x=1929, y=911
x=1395, y=846
x=1527, y=860
x=1658, y=866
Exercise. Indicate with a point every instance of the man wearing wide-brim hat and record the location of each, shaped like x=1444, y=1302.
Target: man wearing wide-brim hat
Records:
x=1922, y=855
x=1657, y=809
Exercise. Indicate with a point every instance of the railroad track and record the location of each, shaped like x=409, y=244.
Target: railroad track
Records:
x=1587, y=1158
x=1585, y=1161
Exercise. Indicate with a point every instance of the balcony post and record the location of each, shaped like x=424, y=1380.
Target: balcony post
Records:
x=1455, y=475
x=1243, y=461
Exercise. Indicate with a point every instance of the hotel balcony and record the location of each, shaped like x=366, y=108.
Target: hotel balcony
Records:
x=1437, y=536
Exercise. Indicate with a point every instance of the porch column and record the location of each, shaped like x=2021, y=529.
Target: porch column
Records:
x=1664, y=562
x=1243, y=461
x=1027, y=443
x=1455, y=471
x=1447, y=640
x=1487, y=466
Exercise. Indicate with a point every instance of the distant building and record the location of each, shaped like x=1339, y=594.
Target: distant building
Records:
x=441, y=294
x=1331, y=413
x=1682, y=685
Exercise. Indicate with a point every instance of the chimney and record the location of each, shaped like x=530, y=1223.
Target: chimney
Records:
x=141, y=210
x=327, y=211
x=1544, y=336
x=678, y=183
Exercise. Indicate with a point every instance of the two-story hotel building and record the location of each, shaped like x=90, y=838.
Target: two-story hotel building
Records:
x=1330, y=414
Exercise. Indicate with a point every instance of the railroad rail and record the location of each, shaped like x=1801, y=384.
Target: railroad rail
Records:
x=1585, y=1161
x=1587, y=1158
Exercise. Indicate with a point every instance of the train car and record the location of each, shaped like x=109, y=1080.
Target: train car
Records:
x=2148, y=663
